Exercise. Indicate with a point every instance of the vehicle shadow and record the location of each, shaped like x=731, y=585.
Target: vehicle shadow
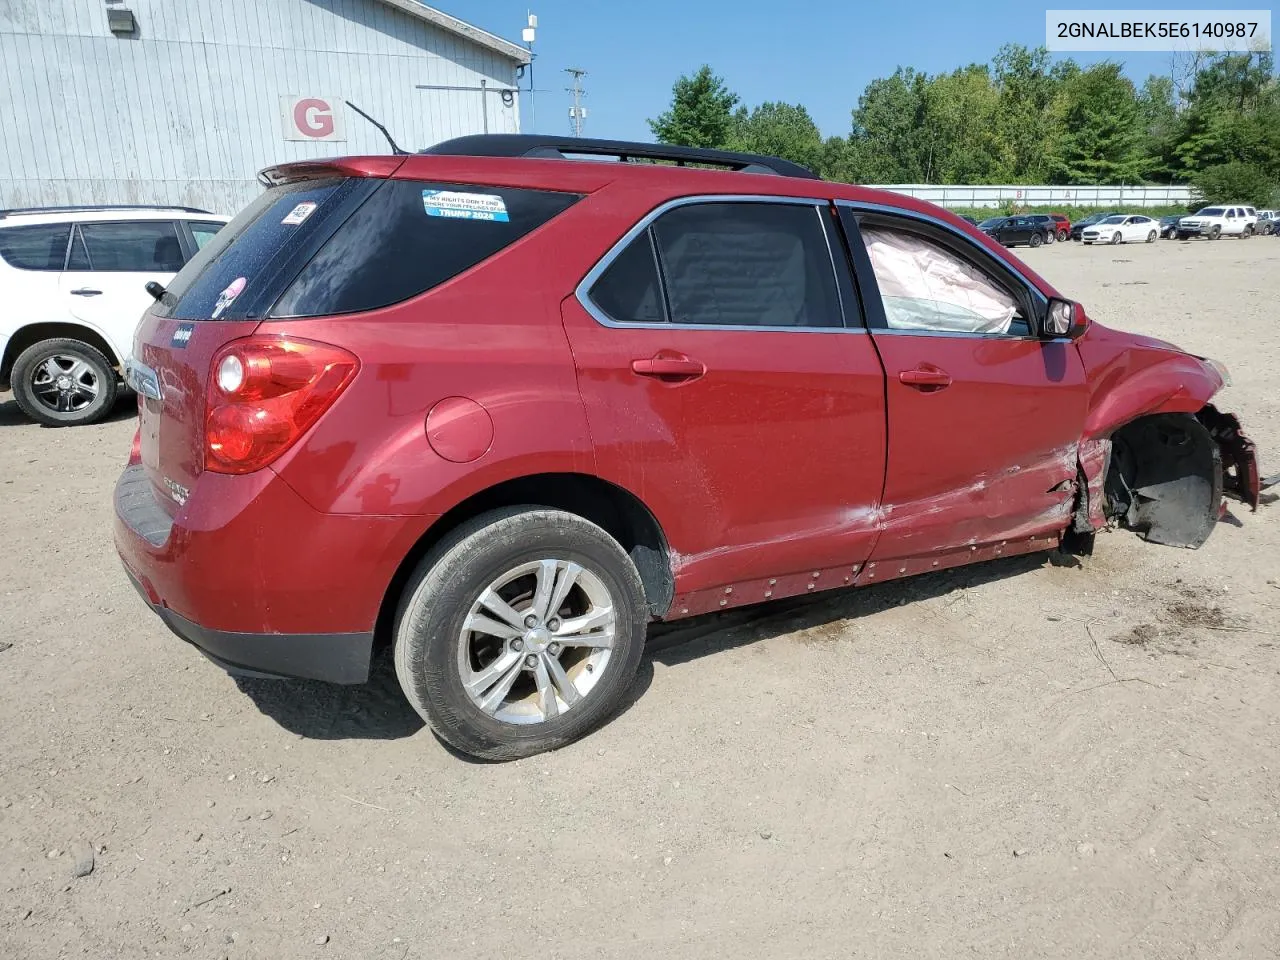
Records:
x=377, y=710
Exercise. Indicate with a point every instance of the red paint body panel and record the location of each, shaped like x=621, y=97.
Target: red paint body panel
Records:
x=1131, y=376
x=990, y=457
x=780, y=470
x=770, y=463
x=247, y=555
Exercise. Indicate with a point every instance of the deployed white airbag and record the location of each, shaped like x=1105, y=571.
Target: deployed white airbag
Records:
x=925, y=287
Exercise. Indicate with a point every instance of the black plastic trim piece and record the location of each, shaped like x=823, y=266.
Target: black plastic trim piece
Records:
x=549, y=147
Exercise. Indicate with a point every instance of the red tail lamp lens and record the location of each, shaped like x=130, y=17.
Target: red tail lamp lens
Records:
x=265, y=393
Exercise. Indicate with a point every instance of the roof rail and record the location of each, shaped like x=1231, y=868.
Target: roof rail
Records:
x=542, y=146
x=88, y=208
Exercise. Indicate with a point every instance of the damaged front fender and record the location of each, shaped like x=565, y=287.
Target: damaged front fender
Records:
x=1239, y=459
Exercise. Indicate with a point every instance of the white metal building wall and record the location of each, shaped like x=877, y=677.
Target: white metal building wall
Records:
x=1044, y=196
x=188, y=109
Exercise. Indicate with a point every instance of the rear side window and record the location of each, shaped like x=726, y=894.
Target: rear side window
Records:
x=410, y=236
x=747, y=265
x=37, y=247
x=143, y=246
x=202, y=233
x=629, y=290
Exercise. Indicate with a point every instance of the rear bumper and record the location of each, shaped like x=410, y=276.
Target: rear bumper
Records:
x=332, y=657
x=258, y=580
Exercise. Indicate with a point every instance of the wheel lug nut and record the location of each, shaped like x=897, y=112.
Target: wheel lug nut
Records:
x=554, y=649
x=517, y=644
x=531, y=621
x=531, y=661
x=553, y=624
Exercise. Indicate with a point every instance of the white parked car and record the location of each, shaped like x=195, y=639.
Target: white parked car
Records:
x=1122, y=228
x=73, y=288
x=1227, y=220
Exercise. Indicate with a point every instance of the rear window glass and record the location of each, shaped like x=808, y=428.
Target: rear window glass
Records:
x=248, y=248
x=410, y=236
x=37, y=247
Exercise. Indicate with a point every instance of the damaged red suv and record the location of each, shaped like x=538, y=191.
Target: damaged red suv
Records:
x=500, y=409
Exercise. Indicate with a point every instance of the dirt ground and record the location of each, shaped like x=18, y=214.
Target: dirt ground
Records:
x=1020, y=759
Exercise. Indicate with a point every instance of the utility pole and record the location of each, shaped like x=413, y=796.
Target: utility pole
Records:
x=528, y=35
x=577, y=112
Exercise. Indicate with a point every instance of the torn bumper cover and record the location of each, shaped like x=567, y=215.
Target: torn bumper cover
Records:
x=1239, y=459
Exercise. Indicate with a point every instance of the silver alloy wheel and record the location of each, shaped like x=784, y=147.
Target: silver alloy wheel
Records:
x=65, y=384
x=536, y=641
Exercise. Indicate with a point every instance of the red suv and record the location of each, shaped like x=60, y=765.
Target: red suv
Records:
x=1063, y=226
x=500, y=409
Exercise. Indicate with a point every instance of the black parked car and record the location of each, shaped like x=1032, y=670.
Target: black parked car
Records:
x=1011, y=231
x=1169, y=226
x=1077, y=228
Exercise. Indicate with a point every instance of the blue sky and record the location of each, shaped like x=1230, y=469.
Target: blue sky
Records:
x=820, y=54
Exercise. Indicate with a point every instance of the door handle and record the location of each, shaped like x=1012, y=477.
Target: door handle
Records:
x=925, y=378
x=86, y=292
x=669, y=367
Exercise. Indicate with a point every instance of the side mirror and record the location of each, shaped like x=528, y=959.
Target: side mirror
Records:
x=1063, y=318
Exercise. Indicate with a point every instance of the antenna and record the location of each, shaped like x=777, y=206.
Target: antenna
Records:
x=577, y=112
x=395, y=147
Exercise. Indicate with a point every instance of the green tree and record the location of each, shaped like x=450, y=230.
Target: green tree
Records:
x=961, y=118
x=1158, y=115
x=1098, y=128
x=1027, y=89
x=701, y=112
x=889, y=143
x=1235, y=182
x=779, y=130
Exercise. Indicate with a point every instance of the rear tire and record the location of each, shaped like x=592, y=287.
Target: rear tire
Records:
x=64, y=383
x=436, y=653
x=1116, y=238
x=1050, y=236
x=1151, y=237
x=1063, y=236
x=1246, y=233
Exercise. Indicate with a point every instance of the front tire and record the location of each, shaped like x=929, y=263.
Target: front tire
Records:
x=520, y=632
x=1215, y=233
x=1035, y=240
x=64, y=383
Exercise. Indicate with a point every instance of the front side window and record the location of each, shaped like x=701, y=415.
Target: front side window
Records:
x=37, y=247
x=144, y=246
x=927, y=287
x=747, y=265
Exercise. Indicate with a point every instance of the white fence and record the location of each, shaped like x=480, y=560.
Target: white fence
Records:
x=1041, y=196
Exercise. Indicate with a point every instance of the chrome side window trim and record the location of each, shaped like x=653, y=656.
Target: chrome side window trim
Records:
x=583, y=289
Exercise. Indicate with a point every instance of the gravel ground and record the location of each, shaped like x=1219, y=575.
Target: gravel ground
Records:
x=1019, y=759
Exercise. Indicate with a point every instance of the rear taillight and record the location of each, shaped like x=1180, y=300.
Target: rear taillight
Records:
x=264, y=393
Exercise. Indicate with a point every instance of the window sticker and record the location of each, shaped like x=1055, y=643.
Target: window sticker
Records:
x=228, y=296
x=299, y=213
x=457, y=205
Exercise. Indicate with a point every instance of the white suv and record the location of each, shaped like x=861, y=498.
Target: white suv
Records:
x=73, y=285
x=1229, y=220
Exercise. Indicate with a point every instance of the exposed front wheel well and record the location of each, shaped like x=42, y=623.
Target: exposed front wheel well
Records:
x=617, y=511
x=33, y=333
x=1164, y=480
